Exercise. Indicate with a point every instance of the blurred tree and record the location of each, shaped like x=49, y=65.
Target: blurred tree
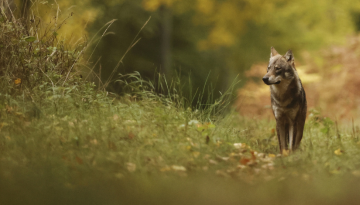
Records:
x=198, y=37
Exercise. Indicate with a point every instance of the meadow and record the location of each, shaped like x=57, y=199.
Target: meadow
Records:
x=64, y=140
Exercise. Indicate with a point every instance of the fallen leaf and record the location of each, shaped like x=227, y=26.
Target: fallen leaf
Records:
x=79, y=160
x=178, y=168
x=17, y=81
x=222, y=158
x=9, y=109
x=119, y=175
x=111, y=145
x=244, y=161
x=253, y=157
x=338, y=152
x=191, y=122
x=335, y=171
x=131, y=135
x=3, y=124
x=211, y=161
x=94, y=142
x=131, y=167
x=273, y=131
x=272, y=155
x=221, y=173
x=306, y=177
x=238, y=145
x=165, y=169
x=196, y=154
x=356, y=173
x=285, y=153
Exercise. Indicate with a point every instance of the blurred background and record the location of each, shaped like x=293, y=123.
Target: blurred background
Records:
x=210, y=42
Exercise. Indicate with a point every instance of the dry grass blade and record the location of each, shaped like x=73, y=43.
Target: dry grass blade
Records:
x=133, y=43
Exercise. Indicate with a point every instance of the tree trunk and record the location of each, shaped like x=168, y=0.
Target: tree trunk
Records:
x=166, y=28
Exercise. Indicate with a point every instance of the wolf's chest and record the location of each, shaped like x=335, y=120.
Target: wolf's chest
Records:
x=285, y=111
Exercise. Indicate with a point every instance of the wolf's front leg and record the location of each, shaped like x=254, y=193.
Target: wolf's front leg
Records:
x=291, y=136
x=280, y=128
x=299, y=130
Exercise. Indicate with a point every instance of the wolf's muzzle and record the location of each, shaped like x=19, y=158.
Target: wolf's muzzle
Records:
x=267, y=82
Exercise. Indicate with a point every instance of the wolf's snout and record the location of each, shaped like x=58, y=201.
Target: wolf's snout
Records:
x=266, y=80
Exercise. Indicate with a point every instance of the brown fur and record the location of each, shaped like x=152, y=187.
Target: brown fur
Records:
x=288, y=99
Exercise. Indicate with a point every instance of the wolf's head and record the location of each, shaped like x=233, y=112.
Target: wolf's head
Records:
x=280, y=68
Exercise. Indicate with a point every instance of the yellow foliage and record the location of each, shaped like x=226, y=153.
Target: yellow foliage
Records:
x=307, y=77
x=17, y=81
x=272, y=155
x=152, y=5
x=205, y=6
x=285, y=153
x=69, y=18
x=219, y=36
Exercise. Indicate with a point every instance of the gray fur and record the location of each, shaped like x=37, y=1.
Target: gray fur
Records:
x=288, y=99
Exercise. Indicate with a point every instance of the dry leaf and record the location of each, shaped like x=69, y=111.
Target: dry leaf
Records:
x=79, y=160
x=211, y=161
x=285, y=152
x=253, y=157
x=119, y=175
x=196, y=154
x=338, y=152
x=222, y=158
x=356, y=173
x=244, y=161
x=237, y=145
x=178, y=168
x=111, y=145
x=17, y=81
x=272, y=155
x=115, y=117
x=131, y=167
x=131, y=135
x=94, y=142
x=165, y=169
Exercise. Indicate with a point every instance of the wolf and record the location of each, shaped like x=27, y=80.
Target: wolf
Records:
x=288, y=99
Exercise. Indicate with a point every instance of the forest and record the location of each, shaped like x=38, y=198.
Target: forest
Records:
x=162, y=102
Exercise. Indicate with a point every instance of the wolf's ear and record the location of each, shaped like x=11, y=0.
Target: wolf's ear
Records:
x=289, y=56
x=273, y=52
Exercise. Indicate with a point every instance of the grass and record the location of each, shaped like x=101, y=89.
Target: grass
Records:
x=64, y=141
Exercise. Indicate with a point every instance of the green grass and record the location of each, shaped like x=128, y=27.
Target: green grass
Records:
x=62, y=141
